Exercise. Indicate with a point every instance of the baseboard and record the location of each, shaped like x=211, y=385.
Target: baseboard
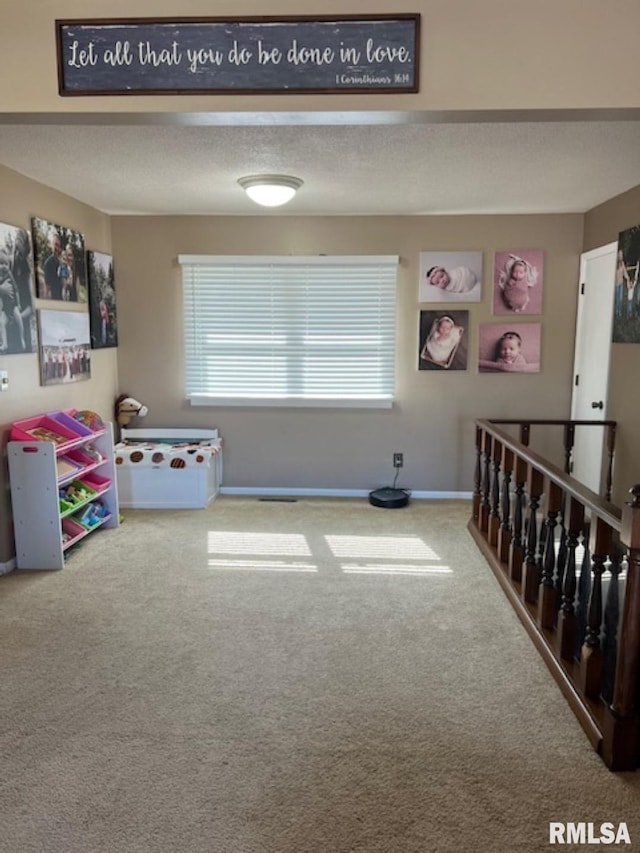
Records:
x=256, y=491
x=5, y=568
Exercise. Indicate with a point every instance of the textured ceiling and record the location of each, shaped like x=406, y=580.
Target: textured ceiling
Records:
x=362, y=169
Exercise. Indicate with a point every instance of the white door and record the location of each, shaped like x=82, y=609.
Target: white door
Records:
x=591, y=361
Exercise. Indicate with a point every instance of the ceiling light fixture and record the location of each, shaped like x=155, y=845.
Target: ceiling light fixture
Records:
x=270, y=190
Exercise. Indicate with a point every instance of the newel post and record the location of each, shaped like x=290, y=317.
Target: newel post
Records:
x=620, y=734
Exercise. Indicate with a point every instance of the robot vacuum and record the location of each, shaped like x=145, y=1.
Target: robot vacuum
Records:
x=389, y=498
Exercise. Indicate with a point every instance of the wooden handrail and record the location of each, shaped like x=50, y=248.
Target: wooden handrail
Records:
x=592, y=501
x=569, y=437
x=546, y=422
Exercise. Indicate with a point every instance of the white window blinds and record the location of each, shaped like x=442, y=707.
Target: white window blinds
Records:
x=289, y=330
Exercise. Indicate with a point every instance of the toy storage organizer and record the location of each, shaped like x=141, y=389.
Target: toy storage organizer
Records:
x=168, y=468
x=62, y=486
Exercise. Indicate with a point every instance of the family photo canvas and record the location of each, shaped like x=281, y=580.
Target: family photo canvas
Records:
x=60, y=262
x=102, y=301
x=450, y=277
x=65, y=351
x=626, y=311
x=17, y=300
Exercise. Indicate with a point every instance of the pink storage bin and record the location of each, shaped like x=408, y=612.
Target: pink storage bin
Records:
x=73, y=531
x=84, y=459
x=37, y=428
x=97, y=483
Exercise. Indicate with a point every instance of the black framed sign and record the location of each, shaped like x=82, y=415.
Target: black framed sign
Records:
x=134, y=56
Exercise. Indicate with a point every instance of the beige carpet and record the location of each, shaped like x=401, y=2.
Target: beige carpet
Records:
x=268, y=677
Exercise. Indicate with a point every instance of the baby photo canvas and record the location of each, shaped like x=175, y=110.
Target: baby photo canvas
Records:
x=443, y=340
x=450, y=277
x=517, y=282
x=513, y=348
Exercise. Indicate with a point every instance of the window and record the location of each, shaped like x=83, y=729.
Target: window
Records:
x=291, y=331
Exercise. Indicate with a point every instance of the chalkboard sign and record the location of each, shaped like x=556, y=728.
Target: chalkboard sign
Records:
x=246, y=55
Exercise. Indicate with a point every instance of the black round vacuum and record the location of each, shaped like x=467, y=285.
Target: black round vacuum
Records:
x=389, y=498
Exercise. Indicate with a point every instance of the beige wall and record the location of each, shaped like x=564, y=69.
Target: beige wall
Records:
x=432, y=421
x=475, y=55
x=602, y=225
x=20, y=199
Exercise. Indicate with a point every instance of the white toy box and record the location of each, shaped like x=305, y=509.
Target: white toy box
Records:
x=168, y=468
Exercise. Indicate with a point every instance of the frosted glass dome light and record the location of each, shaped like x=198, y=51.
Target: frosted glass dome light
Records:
x=270, y=190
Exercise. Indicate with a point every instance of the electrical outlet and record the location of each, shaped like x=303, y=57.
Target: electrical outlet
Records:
x=398, y=460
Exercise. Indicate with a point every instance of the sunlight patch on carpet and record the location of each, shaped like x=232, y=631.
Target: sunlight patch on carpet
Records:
x=261, y=566
x=394, y=569
x=282, y=552
x=384, y=547
x=230, y=542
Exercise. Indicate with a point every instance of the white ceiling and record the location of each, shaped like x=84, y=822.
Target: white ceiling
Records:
x=393, y=167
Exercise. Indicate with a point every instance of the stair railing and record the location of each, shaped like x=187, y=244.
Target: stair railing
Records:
x=569, y=563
